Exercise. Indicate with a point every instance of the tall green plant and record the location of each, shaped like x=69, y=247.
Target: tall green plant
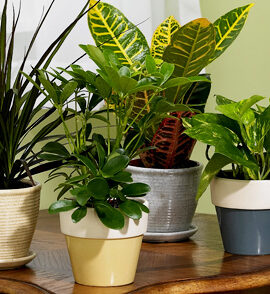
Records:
x=18, y=107
x=190, y=48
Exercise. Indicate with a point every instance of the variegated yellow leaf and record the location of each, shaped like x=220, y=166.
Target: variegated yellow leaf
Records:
x=228, y=28
x=191, y=48
x=163, y=35
x=112, y=30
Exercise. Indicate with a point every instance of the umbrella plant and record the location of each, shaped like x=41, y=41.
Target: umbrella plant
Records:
x=189, y=48
x=240, y=135
x=19, y=107
x=97, y=177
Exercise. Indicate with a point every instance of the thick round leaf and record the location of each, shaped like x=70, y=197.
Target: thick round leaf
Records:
x=88, y=163
x=62, y=205
x=50, y=157
x=131, y=209
x=122, y=177
x=98, y=188
x=112, y=30
x=79, y=214
x=115, y=165
x=109, y=216
x=82, y=195
x=142, y=206
x=136, y=189
x=56, y=148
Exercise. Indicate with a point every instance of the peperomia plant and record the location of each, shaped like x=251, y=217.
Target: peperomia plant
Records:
x=190, y=48
x=240, y=136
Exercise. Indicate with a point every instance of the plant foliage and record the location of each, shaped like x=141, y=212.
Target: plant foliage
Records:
x=18, y=108
x=240, y=136
x=188, y=48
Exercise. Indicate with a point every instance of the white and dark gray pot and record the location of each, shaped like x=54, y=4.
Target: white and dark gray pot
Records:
x=243, y=210
x=172, y=201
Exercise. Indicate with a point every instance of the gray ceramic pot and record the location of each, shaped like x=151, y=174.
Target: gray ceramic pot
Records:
x=172, y=198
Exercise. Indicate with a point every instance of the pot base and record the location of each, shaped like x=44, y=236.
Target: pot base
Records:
x=104, y=262
x=7, y=264
x=170, y=237
x=245, y=232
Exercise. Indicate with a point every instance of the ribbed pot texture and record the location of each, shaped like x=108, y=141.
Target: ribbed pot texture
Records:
x=172, y=201
x=19, y=210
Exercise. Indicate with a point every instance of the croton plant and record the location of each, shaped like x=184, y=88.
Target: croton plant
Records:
x=190, y=48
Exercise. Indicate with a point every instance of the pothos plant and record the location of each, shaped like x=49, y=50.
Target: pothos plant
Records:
x=19, y=112
x=190, y=48
x=98, y=178
x=240, y=136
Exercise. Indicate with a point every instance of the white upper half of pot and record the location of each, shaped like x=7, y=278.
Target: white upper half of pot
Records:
x=240, y=194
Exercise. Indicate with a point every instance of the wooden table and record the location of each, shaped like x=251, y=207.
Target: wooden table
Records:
x=196, y=266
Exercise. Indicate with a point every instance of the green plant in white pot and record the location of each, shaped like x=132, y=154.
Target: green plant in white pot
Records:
x=104, y=217
x=167, y=167
x=240, y=136
x=20, y=116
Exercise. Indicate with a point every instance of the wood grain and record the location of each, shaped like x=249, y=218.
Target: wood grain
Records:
x=196, y=266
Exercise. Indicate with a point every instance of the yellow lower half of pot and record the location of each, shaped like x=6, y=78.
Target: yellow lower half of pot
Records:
x=99, y=262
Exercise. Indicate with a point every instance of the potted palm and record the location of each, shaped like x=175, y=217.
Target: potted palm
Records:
x=19, y=116
x=166, y=164
x=240, y=136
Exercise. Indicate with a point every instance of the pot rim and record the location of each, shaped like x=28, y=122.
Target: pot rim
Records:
x=183, y=170
x=91, y=227
x=238, y=180
x=20, y=191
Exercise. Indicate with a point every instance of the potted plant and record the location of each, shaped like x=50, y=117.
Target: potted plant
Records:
x=19, y=198
x=240, y=136
x=105, y=212
x=167, y=167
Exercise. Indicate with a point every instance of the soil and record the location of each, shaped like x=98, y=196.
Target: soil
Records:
x=17, y=185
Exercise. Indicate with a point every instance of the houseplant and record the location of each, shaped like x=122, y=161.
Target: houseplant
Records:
x=19, y=200
x=168, y=161
x=98, y=218
x=240, y=136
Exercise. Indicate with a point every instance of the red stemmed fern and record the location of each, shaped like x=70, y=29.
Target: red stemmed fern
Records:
x=173, y=148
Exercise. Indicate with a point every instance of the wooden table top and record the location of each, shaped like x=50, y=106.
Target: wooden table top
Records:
x=196, y=266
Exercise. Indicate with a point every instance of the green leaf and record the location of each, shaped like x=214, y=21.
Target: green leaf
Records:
x=166, y=70
x=56, y=148
x=228, y=28
x=98, y=188
x=163, y=35
x=109, y=216
x=61, y=206
x=77, y=179
x=122, y=177
x=79, y=214
x=101, y=154
x=131, y=209
x=224, y=140
x=142, y=206
x=136, y=189
x=217, y=162
x=88, y=163
x=95, y=54
x=115, y=165
x=82, y=195
x=50, y=157
x=49, y=88
x=191, y=48
x=112, y=30
x=67, y=91
x=150, y=63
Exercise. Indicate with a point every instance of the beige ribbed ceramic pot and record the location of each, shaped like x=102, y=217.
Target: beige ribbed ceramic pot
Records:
x=18, y=217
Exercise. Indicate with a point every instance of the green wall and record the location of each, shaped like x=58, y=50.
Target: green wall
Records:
x=241, y=72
